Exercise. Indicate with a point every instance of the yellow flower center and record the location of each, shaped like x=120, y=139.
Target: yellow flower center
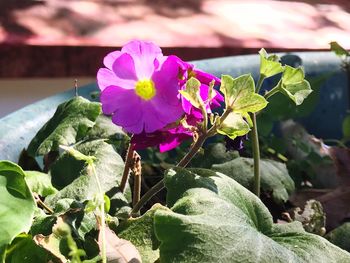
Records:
x=145, y=89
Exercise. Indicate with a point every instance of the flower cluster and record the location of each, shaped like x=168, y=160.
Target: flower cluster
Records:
x=140, y=89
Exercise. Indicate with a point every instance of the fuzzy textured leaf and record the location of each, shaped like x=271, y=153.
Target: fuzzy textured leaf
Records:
x=24, y=250
x=70, y=123
x=17, y=205
x=75, y=180
x=140, y=232
x=40, y=183
x=275, y=179
x=215, y=219
x=341, y=236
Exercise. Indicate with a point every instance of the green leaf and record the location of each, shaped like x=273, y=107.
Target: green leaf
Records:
x=215, y=219
x=17, y=205
x=240, y=94
x=346, y=127
x=192, y=92
x=240, y=99
x=269, y=65
x=339, y=50
x=340, y=236
x=104, y=128
x=42, y=224
x=234, y=125
x=275, y=179
x=24, y=250
x=294, y=85
x=140, y=232
x=79, y=221
x=75, y=180
x=70, y=123
x=39, y=183
x=56, y=243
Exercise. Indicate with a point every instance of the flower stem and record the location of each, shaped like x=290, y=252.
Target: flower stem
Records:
x=102, y=210
x=147, y=196
x=183, y=163
x=193, y=151
x=42, y=204
x=256, y=155
x=128, y=161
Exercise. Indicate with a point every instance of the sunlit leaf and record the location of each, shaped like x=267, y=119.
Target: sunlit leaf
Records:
x=215, y=219
x=140, y=232
x=192, y=92
x=294, y=85
x=269, y=65
x=17, y=205
x=234, y=125
x=339, y=50
x=70, y=123
x=40, y=183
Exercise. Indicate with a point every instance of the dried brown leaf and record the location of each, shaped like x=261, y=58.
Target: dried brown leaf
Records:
x=119, y=250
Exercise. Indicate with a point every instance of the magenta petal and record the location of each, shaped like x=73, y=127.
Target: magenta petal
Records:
x=206, y=78
x=124, y=67
x=144, y=55
x=166, y=81
x=110, y=58
x=114, y=97
x=106, y=77
x=186, y=105
x=129, y=117
x=216, y=101
x=152, y=121
x=167, y=146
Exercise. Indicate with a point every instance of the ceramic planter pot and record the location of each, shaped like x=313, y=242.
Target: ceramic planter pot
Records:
x=18, y=128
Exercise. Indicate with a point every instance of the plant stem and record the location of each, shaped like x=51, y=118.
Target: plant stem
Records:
x=42, y=204
x=256, y=155
x=137, y=189
x=260, y=82
x=183, y=163
x=193, y=151
x=147, y=196
x=272, y=92
x=128, y=160
x=160, y=185
x=103, y=220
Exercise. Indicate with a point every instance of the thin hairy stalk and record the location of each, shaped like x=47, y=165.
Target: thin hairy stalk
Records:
x=137, y=172
x=42, y=204
x=102, y=210
x=128, y=162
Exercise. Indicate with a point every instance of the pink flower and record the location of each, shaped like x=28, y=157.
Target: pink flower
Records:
x=168, y=139
x=140, y=88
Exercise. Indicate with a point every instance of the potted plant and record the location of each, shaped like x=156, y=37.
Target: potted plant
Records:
x=156, y=171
